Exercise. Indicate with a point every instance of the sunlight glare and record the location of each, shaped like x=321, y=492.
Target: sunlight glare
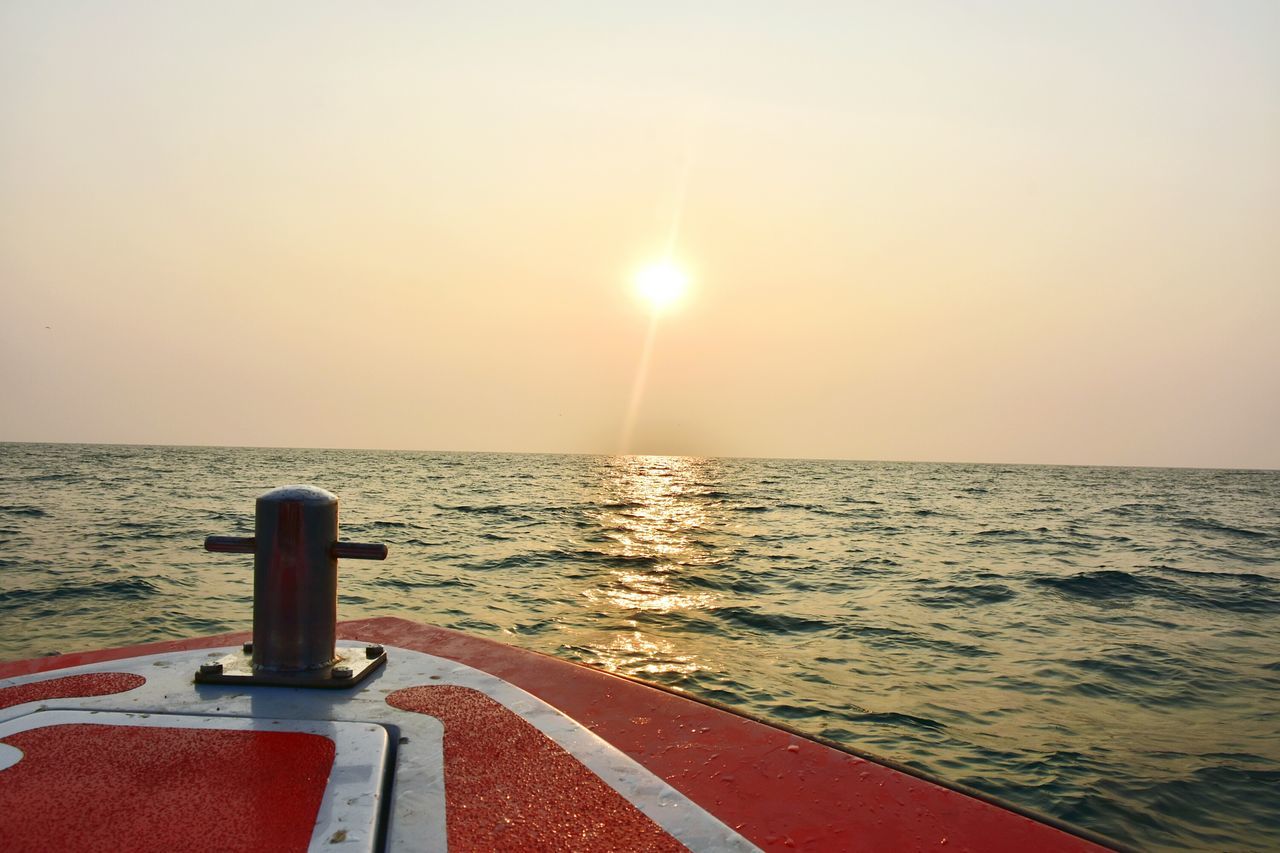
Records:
x=661, y=284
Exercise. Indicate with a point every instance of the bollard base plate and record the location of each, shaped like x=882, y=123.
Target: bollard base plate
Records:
x=237, y=668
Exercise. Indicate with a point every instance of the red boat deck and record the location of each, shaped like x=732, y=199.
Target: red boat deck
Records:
x=457, y=743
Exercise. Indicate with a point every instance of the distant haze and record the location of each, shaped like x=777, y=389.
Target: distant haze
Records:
x=990, y=231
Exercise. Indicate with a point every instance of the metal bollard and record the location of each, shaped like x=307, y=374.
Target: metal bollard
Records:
x=295, y=595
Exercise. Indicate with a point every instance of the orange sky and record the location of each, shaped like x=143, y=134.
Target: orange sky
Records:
x=970, y=232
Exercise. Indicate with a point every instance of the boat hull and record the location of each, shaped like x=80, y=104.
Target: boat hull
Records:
x=494, y=747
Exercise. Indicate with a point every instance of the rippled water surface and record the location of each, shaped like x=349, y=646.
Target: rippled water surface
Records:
x=1102, y=644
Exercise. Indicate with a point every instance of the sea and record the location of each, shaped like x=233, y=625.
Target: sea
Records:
x=1099, y=644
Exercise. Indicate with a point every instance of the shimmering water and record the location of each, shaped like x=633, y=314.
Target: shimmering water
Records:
x=1101, y=644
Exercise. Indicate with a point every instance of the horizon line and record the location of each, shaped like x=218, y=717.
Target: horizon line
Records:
x=650, y=455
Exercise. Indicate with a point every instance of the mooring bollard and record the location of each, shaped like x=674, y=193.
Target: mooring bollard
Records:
x=295, y=551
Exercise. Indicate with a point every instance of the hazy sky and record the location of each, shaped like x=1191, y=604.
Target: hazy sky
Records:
x=980, y=231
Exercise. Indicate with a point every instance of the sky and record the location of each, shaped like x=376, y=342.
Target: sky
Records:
x=985, y=232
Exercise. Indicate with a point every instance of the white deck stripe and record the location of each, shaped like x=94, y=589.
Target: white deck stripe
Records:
x=418, y=812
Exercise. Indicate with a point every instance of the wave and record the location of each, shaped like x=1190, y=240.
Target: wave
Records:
x=893, y=718
x=1244, y=594
x=774, y=623
x=1211, y=526
x=876, y=563
x=1204, y=573
x=608, y=559
x=512, y=561
x=26, y=511
x=120, y=589
x=1130, y=669
x=742, y=585
x=510, y=512
x=1143, y=509
x=896, y=639
x=957, y=595
x=1194, y=802
x=786, y=711
x=54, y=478
x=427, y=583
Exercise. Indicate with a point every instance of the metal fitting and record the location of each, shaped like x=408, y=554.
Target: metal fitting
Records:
x=295, y=551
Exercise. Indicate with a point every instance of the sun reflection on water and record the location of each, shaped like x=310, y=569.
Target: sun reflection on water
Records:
x=654, y=504
x=653, y=519
x=636, y=653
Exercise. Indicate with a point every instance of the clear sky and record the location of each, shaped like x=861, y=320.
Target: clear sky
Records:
x=988, y=231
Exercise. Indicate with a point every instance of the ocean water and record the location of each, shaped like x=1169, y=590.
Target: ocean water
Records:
x=1101, y=644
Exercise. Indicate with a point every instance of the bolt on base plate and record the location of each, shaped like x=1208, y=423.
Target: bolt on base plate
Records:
x=353, y=664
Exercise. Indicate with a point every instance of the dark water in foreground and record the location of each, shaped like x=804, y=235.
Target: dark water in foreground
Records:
x=1101, y=644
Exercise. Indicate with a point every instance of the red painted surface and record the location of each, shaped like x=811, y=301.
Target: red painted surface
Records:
x=146, y=788
x=92, y=684
x=745, y=773
x=510, y=787
x=778, y=790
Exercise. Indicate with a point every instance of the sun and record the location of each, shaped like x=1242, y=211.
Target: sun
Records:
x=661, y=284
